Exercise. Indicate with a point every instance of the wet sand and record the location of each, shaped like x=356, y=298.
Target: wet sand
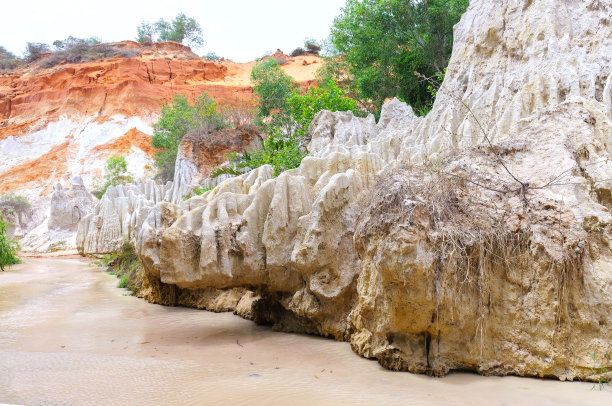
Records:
x=68, y=336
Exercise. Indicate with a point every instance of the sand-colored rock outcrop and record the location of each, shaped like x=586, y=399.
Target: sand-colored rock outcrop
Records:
x=475, y=238
x=115, y=218
x=199, y=154
x=53, y=227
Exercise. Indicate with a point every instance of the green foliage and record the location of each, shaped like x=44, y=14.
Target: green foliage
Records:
x=211, y=56
x=598, y=369
x=302, y=107
x=299, y=51
x=383, y=42
x=8, y=247
x=272, y=87
x=145, y=33
x=73, y=50
x=312, y=46
x=123, y=281
x=228, y=170
x=13, y=201
x=285, y=114
x=197, y=192
x=176, y=120
x=115, y=173
x=125, y=265
x=8, y=61
x=182, y=29
x=282, y=152
x=34, y=50
x=433, y=84
x=75, y=43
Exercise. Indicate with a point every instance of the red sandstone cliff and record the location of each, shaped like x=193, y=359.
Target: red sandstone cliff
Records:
x=69, y=118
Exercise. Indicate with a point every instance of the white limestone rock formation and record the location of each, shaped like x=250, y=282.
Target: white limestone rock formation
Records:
x=54, y=223
x=117, y=216
x=69, y=206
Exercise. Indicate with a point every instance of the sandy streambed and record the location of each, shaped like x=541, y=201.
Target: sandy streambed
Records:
x=69, y=336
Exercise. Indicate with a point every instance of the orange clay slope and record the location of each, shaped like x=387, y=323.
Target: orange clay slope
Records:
x=34, y=100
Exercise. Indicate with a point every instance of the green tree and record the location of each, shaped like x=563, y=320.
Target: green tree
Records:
x=8, y=247
x=145, y=33
x=115, y=173
x=34, y=50
x=272, y=87
x=176, y=120
x=8, y=60
x=289, y=114
x=385, y=41
x=328, y=95
x=182, y=29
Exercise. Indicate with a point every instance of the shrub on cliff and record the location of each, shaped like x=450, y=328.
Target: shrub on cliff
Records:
x=211, y=56
x=299, y=51
x=285, y=114
x=176, y=120
x=312, y=46
x=8, y=247
x=35, y=50
x=182, y=29
x=8, y=61
x=74, y=50
x=328, y=95
x=115, y=173
x=124, y=264
x=385, y=42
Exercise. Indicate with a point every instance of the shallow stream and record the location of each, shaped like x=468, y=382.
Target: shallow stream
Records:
x=68, y=336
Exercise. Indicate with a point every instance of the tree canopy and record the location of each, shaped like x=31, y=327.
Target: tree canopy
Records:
x=383, y=42
x=182, y=29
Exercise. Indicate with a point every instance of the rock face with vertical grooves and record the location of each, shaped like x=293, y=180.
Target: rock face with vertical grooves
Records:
x=417, y=240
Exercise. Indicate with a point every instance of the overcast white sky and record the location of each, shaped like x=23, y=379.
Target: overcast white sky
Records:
x=241, y=30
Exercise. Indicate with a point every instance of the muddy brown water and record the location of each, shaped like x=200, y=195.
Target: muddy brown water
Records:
x=68, y=336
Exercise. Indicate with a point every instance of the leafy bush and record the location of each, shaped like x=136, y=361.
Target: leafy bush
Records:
x=85, y=52
x=384, y=43
x=8, y=247
x=145, y=33
x=35, y=50
x=312, y=46
x=176, y=120
x=115, y=173
x=14, y=202
x=328, y=96
x=197, y=192
x=8, y=61
x=74, y=50
x=289, y=114
x=280, y=151
x=72, y=43
x=299, y=51
x=211, y=56
x=182, y=29
x=125, y=265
